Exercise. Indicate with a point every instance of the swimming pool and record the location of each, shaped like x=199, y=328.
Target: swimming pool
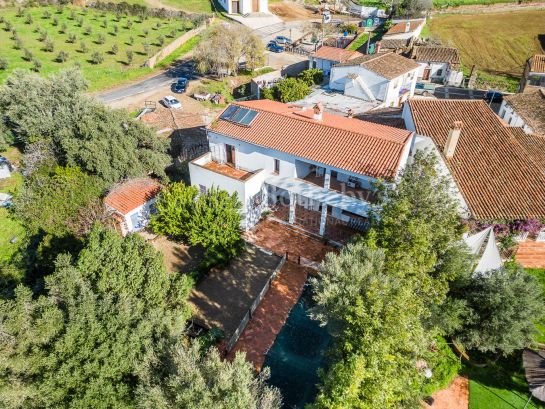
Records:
x=297, y=354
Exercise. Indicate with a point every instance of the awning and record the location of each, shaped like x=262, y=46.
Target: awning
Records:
x=490, y=258
x=327, y=196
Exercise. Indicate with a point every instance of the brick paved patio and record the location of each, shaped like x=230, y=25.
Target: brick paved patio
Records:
x=269, y=318
x=531, y=254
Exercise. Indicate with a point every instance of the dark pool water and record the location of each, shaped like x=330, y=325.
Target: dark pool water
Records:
x=297, y=354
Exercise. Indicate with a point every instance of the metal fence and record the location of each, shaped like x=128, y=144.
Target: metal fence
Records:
x=240, y=329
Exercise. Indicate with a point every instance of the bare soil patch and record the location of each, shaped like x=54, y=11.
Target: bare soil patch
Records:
x=178, y=258
x=289, y=11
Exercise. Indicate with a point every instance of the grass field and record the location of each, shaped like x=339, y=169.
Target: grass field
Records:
x=498, y=44
x=88, y=28
x=539, y=273
x=192, y=6
x=499, y=386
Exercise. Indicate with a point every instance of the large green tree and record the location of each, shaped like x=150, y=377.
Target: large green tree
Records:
x=376, y=320
x=53, y=197
x=184, y=378
x=210, y=219
x=500, y=310
x=80, y=130
x=83, y=343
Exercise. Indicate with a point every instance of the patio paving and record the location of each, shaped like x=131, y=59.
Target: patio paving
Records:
x=281, y=238
x=531, y=254
x=271, y=314
x=223, y=297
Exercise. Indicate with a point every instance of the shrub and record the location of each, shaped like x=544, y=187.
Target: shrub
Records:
x=62, y=56
x=27, y=54
x=60, y=9
x=46, y=14
x=444, y=364
x=14, y=34
x=312, y=76
x=160, y=41
x=83, y=47
x=55, y=21
x=130, y=40
x=105, y=23
x=63, y=29
x=291, y=89
x=28, y=19
x=72, y=15
x=116, y=30
x=20, y=12
x=80, y=22
x=49, y=46
x=146, y=32
x=2, y=20
x=4, y=63
x=36, y=65
x=88, y=30
x=173, y=33
x=71, y=38
x=115, y=49
x=8, y=26
x=147, y=48
x=129, y=24
x=101, y=39
x=97, y=58
x=130, y=56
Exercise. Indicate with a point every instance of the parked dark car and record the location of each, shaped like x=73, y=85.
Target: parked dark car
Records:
x=275, y=48
x=180, y=86
x=283, y=40
x=493, y=96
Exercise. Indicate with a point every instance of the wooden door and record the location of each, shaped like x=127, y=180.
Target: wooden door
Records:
x=230, y=154
x=426, y=75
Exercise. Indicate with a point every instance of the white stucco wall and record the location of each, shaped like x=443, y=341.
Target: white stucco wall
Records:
x=4, y=171
x=321, y=64
x=509, y=115
x=434, y=68
x=143, y=214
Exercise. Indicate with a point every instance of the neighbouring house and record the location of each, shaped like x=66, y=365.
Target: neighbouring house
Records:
x=498, y=172
x=405, y=29
x=244, y=6
x=396, y=45
x=132, y=202
x=5, y=168
x=525, y=110
x=327, y=56
x=386, y=77
x=534, y=73
x=304, y=164
x=438, y=64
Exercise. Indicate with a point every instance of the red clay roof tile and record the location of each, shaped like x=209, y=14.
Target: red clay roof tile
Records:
x=131, y=194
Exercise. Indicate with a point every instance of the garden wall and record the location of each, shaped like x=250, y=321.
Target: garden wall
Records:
x=170, y=48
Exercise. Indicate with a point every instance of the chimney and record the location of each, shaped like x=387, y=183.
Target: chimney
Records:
x=408, y=27
x=350, y=113
x=377, y=47
x=318, y=111
x=452, y=139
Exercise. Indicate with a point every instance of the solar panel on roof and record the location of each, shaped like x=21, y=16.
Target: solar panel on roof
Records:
x=248, y=118
x=237, y=117
x=228, y=113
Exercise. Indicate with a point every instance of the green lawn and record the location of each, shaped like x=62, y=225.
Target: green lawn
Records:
x=131, y=35
x=192, y=6
x=499, y=386
x=358, y=42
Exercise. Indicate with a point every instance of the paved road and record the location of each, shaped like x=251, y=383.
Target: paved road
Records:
x=182, y=69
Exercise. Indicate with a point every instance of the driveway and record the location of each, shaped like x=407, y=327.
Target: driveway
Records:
x=182, y=68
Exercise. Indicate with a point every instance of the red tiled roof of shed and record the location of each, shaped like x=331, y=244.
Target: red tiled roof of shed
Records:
x=131, y=194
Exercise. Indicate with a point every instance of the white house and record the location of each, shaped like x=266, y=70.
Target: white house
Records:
x=132, y=202
x=405, y=29
x=244, y=6
x=327, y=56
x=386, y=77
x=5, y=168
x=438, y=64
x=525, y=110
x=497, y=171
x=299, y=161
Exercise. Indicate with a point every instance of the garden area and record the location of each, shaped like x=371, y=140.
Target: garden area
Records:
x=109, y=47
x=497, y=44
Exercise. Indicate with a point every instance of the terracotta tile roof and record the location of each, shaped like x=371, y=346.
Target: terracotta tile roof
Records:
x=537, y=63
x=388, y=65
x=350, y=144
x=394, y=43
x=530, y=106
x=448, y=55
x=401, y=27
x=335, y=54
x=131, y=194
x=490, y=167
x=533, y=144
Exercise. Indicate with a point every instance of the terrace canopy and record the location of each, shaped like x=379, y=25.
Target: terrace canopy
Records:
x=490, y=258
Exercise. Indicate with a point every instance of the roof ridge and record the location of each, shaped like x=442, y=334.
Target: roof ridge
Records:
x=309, y=120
